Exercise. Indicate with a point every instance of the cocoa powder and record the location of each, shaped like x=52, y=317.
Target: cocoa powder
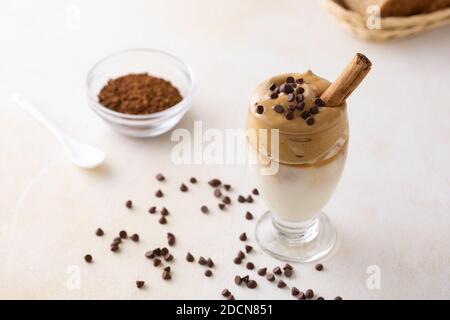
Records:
x=139, y=94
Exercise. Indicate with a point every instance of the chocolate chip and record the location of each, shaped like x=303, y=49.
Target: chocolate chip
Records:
x=246, y=279
x=295, y=291
x=183, y=188
x=167, y=269
x=157, y=252
x=99, y=232
x=156, y=262
x=277, y=270
x=162, y=220
x=300, y=90
x=259, y=109
x=202, y=261
x=210, y=263
x=149, y=254
x=291, y=108
x=221, y=206
x=289, y=116
x=248, y=216
x=217, y=193
x=164, y=251
x=208, y=273
x=338, y=298
x=140, y=284
x=288, y=266
x=160, y=177
x=114, y=247
x=243, y=237
x=193, y=180
x=135, y=237
x=164, y=211
x=270, y=277
x=281, y=284
x=252, y=284
x=226, y=293
x=314, y=110
x=262, y=271
x=189, y=257
x=255, y=192
x=117, y=240
x=129, y=204
x=274, y=95
x=286, y=88
x=319, y=102
x=237, y=260
x=214, y=183
x=320, y=298
x=237, y=280
x=88, y=258
x=152, y=210
x=250, y=266
x=248, y=248
x=168, y=257
x=241, y=255
x=227, y=187
x=272, y=87
x=301, y=296
x=290, y=97
x=290, y=79
x=241, y=199
x=309, y=294
x=123, y=234
x=159, y=193
x=301, y=105
x=171, y=239
x=300, y=98
x=300, y=81
x=287, y=273
x=319, y=267
x=166, y=275
x=231, y=297
x=249, y=199
x=310, y=121
x=278, y=108
x=305, y=114
x=204, y=209
x=226, y=200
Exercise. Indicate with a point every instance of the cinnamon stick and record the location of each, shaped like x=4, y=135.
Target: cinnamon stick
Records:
x=348, y=81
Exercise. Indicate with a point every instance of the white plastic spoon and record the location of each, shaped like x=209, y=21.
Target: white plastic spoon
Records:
x=80, y=154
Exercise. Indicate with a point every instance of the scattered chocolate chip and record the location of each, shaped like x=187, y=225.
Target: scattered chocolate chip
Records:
x=289, y=116
x=320, y=298
x=274, y=95
x=338, y=298
x=300, y=98
x=160, y=177
x=310, y=121
x=300, y=81
x=129, y=204
x=189, y=257
x=149, y=254
x=301, y=296
x=290, y=79
x=259, y=109
x=250, y=266
x=243, y=237
x=162, y=220
x=204, y=209
x=252, y=284
x=156, y=262
x=270, y=277
x=226, y=200
x=300, y=90
x=159, y=193
x=167, y=269
x=249, y=199
x=208, y=273
x=272, y=87
x=262, y=271
x=157, y=252
x=164, y=211
x=140, y=284
x=217, y=193
x=166, y=275
x=241, y=199
x=301, y=105
x=287, y=273
x=152, y=210
x=246, y=279
x=231, y=297
x=290, y=97
x=295, y=291
x=277, y=270
x=248, y=248
x=221, y=206
x=288, y=266
x=193, y=180
x=226, y=293
x=237, y=260
x=183, y=188
x=123, y=234
x=309, y=294
x=99, y=232
x=305, y=114
x=168, y=257
x=248, y=215
x=164, y=251
x=314, y=110
x=237, y=280
x=281, y=284
x=319, y=267
x=117, y=240
x=278, y=108
x=114, y=247
x=241, y=255
x=202, y=261
x=135, y=237
x=210, y=263
x=171, y=239
x=215, y=183
x=255, y=192
x=88, y=258
x=227, y=187
x=286, y=88
x=319, y=102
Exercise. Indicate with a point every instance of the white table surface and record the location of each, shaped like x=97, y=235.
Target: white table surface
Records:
x=391, y=208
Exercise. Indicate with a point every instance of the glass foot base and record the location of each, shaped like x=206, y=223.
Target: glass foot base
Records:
x=277, y=244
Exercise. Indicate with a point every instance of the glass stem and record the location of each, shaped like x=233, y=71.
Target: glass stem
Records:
x=296, y=233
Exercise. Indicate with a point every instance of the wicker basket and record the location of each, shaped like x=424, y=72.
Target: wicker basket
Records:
x=392, y=27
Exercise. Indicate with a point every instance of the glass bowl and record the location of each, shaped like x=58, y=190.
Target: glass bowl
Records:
x=156, y=63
